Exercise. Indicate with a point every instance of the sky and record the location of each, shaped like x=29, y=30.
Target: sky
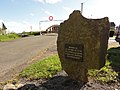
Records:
x=26, y=15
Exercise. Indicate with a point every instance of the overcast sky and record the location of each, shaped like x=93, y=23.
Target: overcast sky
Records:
x=20, y=15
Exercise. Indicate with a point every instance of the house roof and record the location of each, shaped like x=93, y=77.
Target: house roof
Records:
x=2, y=25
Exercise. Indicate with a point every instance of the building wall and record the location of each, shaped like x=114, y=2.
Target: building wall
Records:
x=53, y=29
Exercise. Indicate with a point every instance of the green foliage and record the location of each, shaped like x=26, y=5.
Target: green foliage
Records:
x=105, y=74
x=114, y=56
x=8, y=37
x=111, y=70
x=34, y=33
x=31, y=33
x=42, y=69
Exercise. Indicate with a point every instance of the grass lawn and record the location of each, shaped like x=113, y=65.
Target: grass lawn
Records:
x=48, y=67
x=8, y=37
x=43, y=68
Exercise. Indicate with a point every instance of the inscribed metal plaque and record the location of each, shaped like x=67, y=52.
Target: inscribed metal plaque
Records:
x=74, y=51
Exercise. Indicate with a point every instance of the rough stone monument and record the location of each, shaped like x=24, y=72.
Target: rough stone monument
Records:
x=82, y=44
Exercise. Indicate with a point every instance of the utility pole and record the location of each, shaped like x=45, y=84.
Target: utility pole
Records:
x=40, y=27
x=82, y=3
x=81, y=8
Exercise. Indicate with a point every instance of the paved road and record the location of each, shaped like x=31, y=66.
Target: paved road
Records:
x=112, y=43
x=18, y=52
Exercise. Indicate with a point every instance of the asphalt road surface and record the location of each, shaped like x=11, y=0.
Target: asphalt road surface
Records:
x=112, y=43
x=18, y=52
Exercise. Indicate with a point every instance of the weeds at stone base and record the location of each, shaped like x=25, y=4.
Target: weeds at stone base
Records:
x=3, y=83
x=111, y=71
x=104, y=75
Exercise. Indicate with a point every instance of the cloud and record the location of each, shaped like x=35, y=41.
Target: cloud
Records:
x=66, y=8
x=13, y=23
x=32, y=14
x=18, y=27
x=44, y=18
x=52, y=1
x=14, y=26
x=48, y=13
x=41, y=1
x=1, y=23
x=48, y=1
x=26, y=22
x=1, y=20
x=12, y=0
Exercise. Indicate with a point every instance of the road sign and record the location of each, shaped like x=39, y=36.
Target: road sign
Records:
x=50, y=18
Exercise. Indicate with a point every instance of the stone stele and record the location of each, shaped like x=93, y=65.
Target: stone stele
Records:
x=82, y=44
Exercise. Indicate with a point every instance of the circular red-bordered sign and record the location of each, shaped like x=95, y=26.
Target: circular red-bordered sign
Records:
x=50, y=18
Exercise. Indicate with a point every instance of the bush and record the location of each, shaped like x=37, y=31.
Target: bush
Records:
x=35, y=33
x=8, y=37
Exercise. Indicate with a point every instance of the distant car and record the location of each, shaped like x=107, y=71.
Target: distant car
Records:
x=112, y=29
x=24, y=35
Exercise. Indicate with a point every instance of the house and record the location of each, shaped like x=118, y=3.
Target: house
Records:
x=2, y=29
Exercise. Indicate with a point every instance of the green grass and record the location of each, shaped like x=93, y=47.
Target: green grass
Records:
x=111, y=71
x=104, y=75
x=8, y=37
x=114, y=56
x=48, y=67
x=42, y=69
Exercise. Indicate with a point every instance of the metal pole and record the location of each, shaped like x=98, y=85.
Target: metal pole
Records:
x=40, y=27
x=81, y=8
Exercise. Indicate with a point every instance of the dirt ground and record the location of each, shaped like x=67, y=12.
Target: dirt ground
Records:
x=61, y=81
